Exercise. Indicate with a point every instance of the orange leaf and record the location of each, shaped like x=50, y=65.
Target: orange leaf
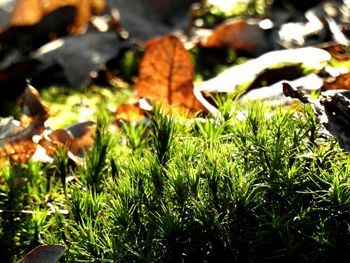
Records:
x=18, y=151
x=166, y=74
x=129, y=113
x=238, y=35
x=340, y=82
x=26, y=12
x=31, y=12
x=339, y=52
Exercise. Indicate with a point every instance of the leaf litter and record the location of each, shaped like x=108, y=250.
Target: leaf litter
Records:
x=19, y=140
x=166, y=71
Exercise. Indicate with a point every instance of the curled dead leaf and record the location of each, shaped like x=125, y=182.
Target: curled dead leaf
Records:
x=144, y=19
x=75, y=139
x=83, y=137
x=166, y=74
x=231, y=79
x=33, y=106
x=288, y=91
x=59, y=138
x=17, y=145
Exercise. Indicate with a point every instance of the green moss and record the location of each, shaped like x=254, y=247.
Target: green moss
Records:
x=261, y=186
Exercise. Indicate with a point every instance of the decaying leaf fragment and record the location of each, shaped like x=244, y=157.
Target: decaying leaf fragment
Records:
x=22, y=140
x=293, y=93
x=166, y=74
x=44, y=254
x=17, y=143
x=332, y=110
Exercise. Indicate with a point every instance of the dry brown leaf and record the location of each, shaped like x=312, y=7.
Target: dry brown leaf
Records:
x=239, y=35
x=270, y=76
x=16, y=141
x=288, y=91
x=340, y=82
x=338, y=51
x=166, y=74
x=44, y=254
x=31, y=12
x=19, y=146
x=33, y=107
x=83, y=137
x=75, y=139
x=59, y=138
x=26, y=12
x=18, y=151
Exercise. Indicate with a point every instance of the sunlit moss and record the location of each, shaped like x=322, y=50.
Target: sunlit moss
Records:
x=69, y=106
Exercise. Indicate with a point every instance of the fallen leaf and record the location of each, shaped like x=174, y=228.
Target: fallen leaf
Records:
x=44, y=254
x=17, y=144
x=234, y=77
x=340, y=82
x=72, y=67
x=270, y=76
x=290, y=92
x=239, y=35
x=33, y=107
x=75, y=139
x=83, y=137
x=59, y=138
x=31, y=12
x=129, y=113
x=18, y=151
x=166, y=74
x=338, y=51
